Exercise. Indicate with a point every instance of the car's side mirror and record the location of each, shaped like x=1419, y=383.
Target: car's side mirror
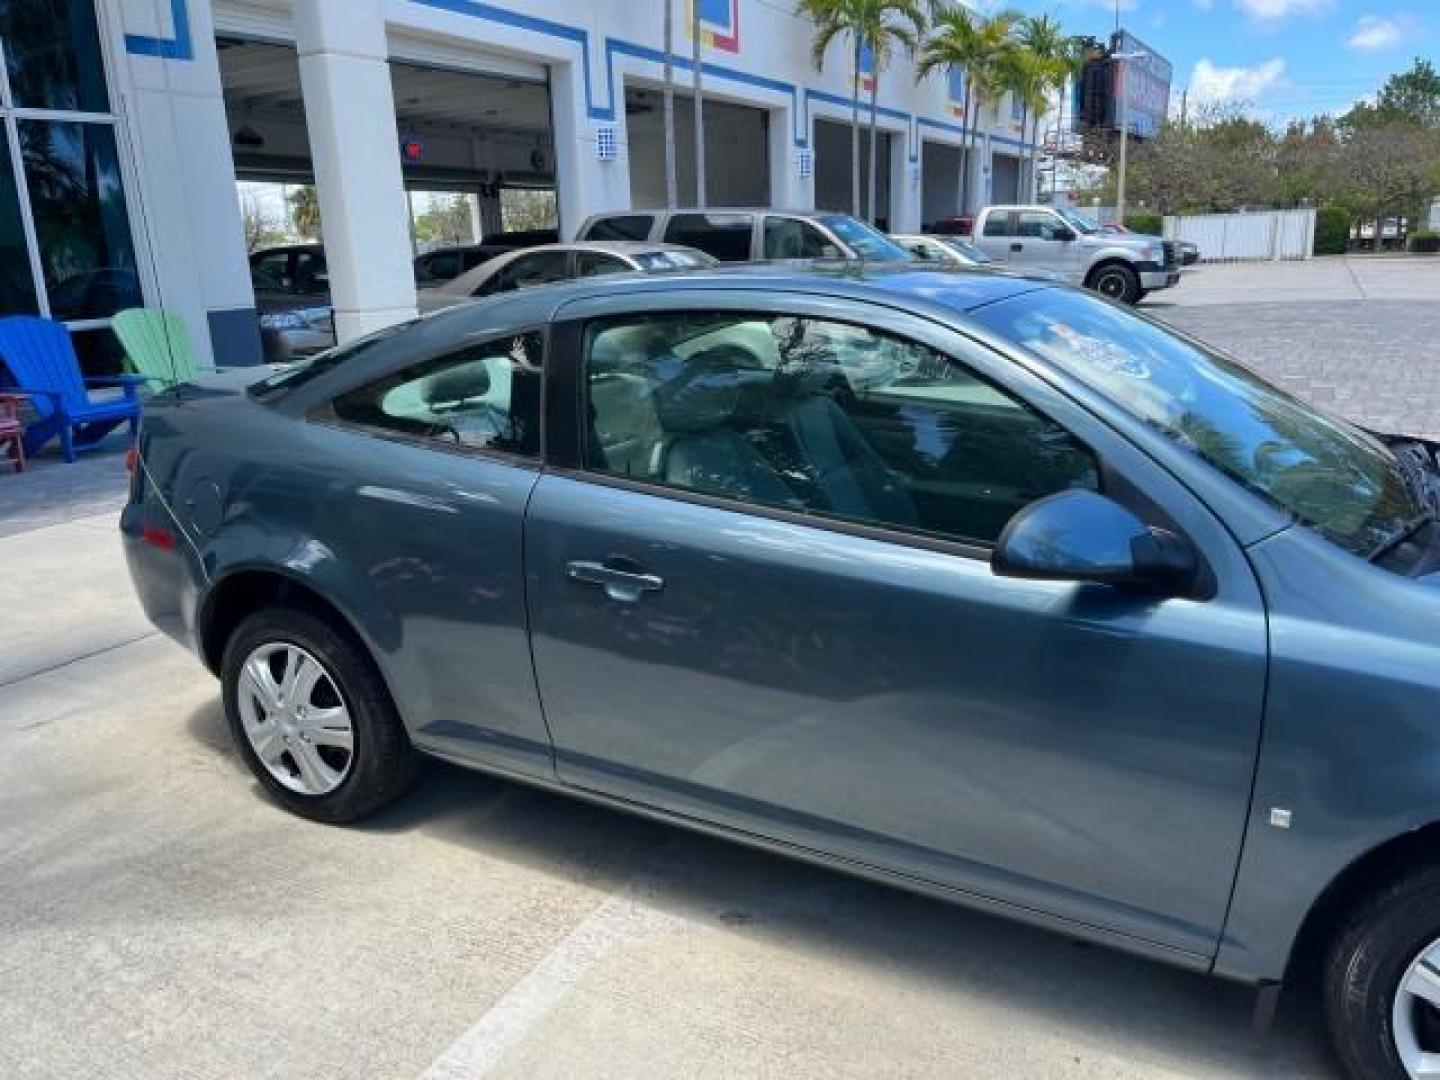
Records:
x=1064, y=234
x=1084, y=536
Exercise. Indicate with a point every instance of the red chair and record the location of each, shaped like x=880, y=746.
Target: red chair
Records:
x=12, y=431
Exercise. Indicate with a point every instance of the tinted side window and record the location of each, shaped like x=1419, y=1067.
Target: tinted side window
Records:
x=1038, y=225
x=625, y=227
x=541, y=268
x=826, y=418
x=791, y=238
x=997, y=225
x=593, y=263
x=271, y=273
x=441, y=266
x=725, y=236
x=311, y=273
x=485, y=397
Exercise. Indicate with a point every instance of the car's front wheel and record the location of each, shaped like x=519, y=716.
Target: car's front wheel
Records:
x=1116, y=281
x=312, y=717
x=1382, y=982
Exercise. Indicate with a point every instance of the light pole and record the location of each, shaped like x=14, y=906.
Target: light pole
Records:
x=1119, y=60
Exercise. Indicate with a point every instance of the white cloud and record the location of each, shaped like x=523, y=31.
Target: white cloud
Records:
x=1375, y=34
x=1204, y=5
x=1281, y=9
x=1209, y=83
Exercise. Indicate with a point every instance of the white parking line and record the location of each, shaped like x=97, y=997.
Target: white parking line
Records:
x=621, y=919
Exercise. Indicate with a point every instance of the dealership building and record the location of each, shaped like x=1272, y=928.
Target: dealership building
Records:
x=129, y=124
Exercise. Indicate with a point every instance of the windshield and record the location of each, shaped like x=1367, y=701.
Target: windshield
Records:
x=865, y=241
x=969, y=251
x=1079, y=222
x=1333, y=477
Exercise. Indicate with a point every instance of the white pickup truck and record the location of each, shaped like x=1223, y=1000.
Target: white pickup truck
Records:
x=1059, y=243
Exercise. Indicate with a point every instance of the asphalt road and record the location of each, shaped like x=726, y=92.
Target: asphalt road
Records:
x=159, y=918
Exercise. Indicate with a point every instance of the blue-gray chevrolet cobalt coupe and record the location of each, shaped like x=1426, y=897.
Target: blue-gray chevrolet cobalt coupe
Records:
x=976, y=585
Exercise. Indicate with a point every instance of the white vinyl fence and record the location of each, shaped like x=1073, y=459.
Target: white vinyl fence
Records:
x=1265, y=235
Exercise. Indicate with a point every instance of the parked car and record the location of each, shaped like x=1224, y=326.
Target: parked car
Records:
x=292, y=291
x=955, y=225
x=942, y=250
x=437, y=267
x=560, y=262
x=1063, y=244
x=976, y=585
x=750, y=235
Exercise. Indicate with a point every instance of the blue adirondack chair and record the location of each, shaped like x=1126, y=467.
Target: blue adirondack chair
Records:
x=41, y=361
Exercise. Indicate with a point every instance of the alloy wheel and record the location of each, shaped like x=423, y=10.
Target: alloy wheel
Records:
x=295, y=719
x=1416, y=1014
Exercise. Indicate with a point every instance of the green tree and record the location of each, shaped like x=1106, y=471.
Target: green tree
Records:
x=305, y=211
x=1048, y=58
x=878, y=25
x=963, y=41
x=1412, y=96
x=445, y=221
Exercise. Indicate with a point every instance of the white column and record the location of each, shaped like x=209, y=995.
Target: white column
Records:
x=788, y=189
x=584, y=184
x=905, y=185
x=355, y=150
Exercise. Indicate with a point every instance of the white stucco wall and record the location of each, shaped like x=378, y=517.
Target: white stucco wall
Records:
x=181, y=146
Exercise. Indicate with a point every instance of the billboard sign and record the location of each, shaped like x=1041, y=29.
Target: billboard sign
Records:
x=1144, y=84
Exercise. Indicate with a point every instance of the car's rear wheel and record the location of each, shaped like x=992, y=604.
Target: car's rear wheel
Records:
x=312, y=717
x=1116, y=281
x=1382, y=982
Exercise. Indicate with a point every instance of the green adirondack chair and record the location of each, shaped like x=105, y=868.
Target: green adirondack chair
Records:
x=156, y=346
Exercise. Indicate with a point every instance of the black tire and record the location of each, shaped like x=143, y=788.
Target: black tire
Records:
x=382, y=763
x=1367, y=959
x=1116, y=281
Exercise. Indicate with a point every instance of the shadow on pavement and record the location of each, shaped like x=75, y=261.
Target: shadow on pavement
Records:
x=1174, y=1019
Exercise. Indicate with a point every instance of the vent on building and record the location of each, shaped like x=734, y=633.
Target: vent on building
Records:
x=606, y=147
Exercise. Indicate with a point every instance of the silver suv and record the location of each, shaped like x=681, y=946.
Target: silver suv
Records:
x=751, y=235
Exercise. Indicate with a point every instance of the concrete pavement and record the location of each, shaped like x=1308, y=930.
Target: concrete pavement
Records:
x=159, y=918
x=1337, y=277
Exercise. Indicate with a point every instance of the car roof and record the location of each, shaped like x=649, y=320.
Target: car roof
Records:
x=944, y=293
x=778, y=210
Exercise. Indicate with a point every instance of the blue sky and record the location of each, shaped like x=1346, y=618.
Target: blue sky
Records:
x=1285, y=57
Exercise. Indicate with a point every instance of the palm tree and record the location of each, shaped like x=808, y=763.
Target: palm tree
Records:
x=834, y=19
x=1025, y=76
x=965, y=42
x=1056, y=57
x=878, y=25
x=671, y=193
x=888, y=23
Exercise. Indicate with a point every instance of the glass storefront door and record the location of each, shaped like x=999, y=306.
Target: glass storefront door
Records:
x=66, y=247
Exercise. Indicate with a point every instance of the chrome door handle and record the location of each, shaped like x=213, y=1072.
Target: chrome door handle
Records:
x=625, y=586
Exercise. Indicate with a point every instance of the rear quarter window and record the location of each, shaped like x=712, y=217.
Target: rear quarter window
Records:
x=725, y=236
x=621, y=227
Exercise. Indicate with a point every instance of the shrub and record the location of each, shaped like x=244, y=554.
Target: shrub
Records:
x=1150, y=224
x=1425, y=241
x=1332, y=230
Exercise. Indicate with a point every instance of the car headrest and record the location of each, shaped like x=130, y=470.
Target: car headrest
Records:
x=708, y=390
x=462, y=383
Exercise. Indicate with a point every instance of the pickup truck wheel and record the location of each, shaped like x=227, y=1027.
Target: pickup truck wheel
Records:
x=1382, y=982
x=312, y=718
x=1116, y=281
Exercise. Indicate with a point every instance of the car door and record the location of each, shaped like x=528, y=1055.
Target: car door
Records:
x=442, y=454
x=760, y=596
x=996, y=234
x=528, y=270
x=1042, y=243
